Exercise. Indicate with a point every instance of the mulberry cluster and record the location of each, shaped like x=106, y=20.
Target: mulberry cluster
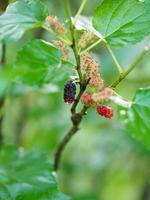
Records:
x=69, y=92
x=97, y=92
x=105, y=111
x=59, y=44
x=56, y=25
x=90, y=69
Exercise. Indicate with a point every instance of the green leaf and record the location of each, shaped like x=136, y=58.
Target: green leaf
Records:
x=19, y=17
x=36, y=60
x=138, y=121
x=122, y=22
x=27, y=176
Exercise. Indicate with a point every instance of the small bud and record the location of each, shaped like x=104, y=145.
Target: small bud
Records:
x=90, y=69
x=56, y=25
x=86, y=39
x=59, y=44
x=87, y=99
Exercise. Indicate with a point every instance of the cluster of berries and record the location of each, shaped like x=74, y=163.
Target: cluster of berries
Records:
x=89, y=69
x=69, y=97
x=102, y=110
x=100, y=93
x=96, y=93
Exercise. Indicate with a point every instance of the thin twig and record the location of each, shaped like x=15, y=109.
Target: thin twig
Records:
x=114, y=58
x=80, y=10
x=91, y=46
x=76, y=121
x=68, y=14
x=65, y=40
x=82, y=89
x=130, y=68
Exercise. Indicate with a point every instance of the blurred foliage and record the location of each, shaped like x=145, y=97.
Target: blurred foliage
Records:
x=26, y=176
x=103, y=161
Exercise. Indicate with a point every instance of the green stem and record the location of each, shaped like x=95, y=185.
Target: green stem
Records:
x=68, y=14
x=80, y=10
x=91, y=46
x=74, y=46
x=114, y=58
x=65, y=40
x=130, y=68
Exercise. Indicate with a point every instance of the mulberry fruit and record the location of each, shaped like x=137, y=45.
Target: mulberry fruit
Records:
x=90, y=69
x=69, y=92
x=87, y=99
x=105, y=111
x=104, y=95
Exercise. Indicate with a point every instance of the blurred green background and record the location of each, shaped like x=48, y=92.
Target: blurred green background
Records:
x=102, y=162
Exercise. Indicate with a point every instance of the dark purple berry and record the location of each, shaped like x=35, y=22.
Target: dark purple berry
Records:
x=69, y=92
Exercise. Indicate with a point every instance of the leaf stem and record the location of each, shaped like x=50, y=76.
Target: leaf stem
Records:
x=68, y=14
x=130, y=68
x=91, y=46
x=114, y=58
x=80, y=10
x=65, y=40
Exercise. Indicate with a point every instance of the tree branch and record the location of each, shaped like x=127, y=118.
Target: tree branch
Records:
x=76, y=119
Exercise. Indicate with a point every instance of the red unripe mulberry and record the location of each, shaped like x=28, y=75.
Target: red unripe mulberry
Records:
x=105, y=111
